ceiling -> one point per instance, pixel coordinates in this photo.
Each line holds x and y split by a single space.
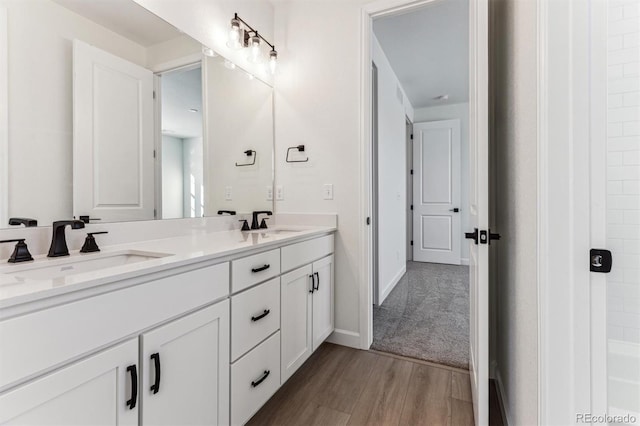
181 92
124 17
428 50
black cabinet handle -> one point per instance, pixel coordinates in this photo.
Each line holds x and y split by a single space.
317 287
155 387
133 370
313 283
261 379
262 268
262 315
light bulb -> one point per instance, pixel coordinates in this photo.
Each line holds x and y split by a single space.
273 61
207 51
254 50
234 35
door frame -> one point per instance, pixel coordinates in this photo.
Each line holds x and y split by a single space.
409 176
4 118
368 13
565 232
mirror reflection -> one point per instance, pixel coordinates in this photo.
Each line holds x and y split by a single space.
116 115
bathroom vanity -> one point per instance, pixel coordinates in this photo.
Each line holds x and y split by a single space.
186 330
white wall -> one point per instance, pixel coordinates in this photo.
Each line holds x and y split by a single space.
40 104
461 112
172 177
514 143
392 171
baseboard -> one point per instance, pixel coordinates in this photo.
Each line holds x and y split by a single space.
502 399
345 338
464 262
392 284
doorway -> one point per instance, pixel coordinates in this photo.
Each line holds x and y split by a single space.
179 92
398 278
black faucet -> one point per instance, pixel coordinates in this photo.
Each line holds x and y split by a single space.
26 221
58 238
254 222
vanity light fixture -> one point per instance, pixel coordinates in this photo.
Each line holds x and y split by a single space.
193 110
441 97
242 35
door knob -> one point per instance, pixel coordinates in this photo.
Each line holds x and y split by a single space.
455 210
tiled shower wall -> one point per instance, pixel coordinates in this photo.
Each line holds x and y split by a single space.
623 171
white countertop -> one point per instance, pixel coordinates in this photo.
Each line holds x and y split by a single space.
181 251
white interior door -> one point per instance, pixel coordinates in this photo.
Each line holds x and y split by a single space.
479 207
113 142
436 192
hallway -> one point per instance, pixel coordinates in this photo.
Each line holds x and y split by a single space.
426 316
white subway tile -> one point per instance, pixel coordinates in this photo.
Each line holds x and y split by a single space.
615 304
622 290
632 276
631 40
615 130
623 202
631 158
632 246
631 334
631 99
615 332
624 319
631 187
615 216
623 114
624 143
615 158
623 56
631 305
631 128
616 13
631 10
623 85
630 69
624 26
615 43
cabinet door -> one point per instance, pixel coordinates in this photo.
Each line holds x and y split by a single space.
322 301
295 325
185 370
93 391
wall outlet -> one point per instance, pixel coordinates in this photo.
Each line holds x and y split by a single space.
279 193
228 193
269 193
327 191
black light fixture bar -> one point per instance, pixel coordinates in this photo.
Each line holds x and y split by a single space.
236 17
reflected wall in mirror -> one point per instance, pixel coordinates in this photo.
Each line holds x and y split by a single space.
108 118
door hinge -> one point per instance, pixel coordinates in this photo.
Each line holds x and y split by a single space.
154 94
411 206
411 242
368 221
155 213
154 153
411 171
411 136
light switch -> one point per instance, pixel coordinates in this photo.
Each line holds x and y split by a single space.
328 191
269 193
279 192
227 193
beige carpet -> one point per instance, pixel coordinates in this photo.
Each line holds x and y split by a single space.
426 316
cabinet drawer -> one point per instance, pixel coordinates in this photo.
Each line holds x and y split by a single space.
255 314
305 252
41 340
251 270
254 379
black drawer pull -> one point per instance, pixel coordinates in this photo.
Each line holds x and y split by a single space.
155 387
313 283
317 286
262 315
261 379
262 268
134 386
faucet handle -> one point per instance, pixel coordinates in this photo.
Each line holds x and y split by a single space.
87 219
20 253
245 225
263 224
90 244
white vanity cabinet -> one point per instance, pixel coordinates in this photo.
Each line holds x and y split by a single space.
100 389
307 295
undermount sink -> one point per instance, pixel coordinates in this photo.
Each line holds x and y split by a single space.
80 264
